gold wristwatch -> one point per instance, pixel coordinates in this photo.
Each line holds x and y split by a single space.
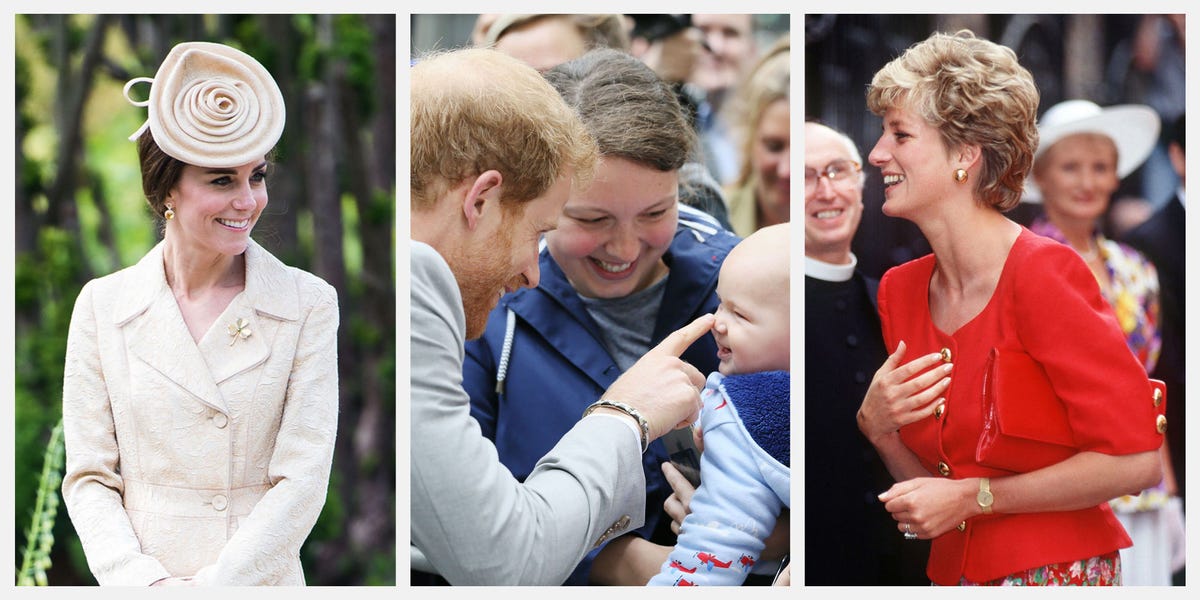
984 497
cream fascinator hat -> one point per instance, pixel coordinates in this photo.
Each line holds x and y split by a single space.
1132 127
212 106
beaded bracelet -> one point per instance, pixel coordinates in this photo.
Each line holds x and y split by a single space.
629 410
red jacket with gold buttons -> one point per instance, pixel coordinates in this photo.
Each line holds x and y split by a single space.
1046 303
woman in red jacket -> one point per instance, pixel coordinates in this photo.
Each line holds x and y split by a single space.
959 133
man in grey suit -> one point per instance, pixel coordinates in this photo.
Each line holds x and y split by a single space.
495 152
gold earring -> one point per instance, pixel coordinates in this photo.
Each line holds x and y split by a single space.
960 175
169 213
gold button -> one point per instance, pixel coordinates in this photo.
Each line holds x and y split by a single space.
939 411
962 526
1157 397
1161 423
944 469
945 352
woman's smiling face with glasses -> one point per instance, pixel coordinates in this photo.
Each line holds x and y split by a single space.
832 194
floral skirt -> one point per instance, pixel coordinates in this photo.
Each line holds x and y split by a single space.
1098 570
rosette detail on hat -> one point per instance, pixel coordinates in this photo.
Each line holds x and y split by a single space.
211 105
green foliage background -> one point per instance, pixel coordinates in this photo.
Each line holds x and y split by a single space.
80 214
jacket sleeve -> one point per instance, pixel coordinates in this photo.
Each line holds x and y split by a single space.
271 535
733 511
470 517
1079 343
92 485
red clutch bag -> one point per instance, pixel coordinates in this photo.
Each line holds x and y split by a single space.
1025 425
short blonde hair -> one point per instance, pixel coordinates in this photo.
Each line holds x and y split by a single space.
478 109
973 91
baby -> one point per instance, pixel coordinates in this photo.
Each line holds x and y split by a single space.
746 461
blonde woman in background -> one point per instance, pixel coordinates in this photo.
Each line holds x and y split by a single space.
761 196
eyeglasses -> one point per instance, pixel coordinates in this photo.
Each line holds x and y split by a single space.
838 170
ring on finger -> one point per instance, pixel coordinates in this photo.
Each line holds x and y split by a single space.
909 534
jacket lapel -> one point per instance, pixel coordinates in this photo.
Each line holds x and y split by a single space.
687 294
564 333
270 297
155 331
157 334
228 349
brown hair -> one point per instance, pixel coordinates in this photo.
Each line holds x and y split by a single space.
478 109
627 108
974 92
160 172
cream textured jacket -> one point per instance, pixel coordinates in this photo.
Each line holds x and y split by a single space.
206 459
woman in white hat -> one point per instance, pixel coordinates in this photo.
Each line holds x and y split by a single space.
997 320
200 388
1083 153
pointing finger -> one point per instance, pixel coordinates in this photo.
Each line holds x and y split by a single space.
680 339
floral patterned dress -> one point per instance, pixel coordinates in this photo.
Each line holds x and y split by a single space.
1095 571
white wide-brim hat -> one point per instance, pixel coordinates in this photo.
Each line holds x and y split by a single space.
1132 127
212 106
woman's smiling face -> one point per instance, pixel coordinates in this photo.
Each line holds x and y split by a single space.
1077 177
612 235
913 160
215 209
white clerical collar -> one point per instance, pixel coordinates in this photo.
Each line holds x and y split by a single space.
827 272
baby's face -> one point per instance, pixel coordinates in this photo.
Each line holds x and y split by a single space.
753 320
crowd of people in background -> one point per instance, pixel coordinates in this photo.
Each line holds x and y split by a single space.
643 233
687 120
1093 186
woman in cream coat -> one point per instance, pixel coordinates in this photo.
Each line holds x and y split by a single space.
200 390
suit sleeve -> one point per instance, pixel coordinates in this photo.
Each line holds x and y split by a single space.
479 381
92 484
470 517
271 535
733 512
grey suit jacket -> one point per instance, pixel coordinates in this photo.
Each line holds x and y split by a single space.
206 459
477 524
